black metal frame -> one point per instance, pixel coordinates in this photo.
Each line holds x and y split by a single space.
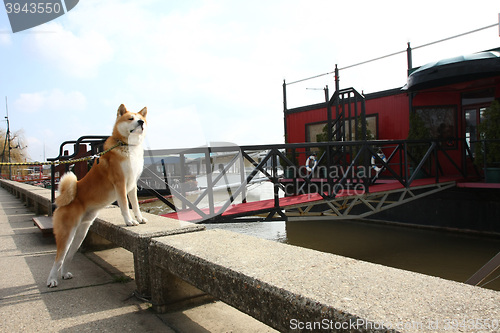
349 158
96 143
396 167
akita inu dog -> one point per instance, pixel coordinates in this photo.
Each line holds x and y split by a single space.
112 178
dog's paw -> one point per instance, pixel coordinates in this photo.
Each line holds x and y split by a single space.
142 220
131 222
51 283
67 276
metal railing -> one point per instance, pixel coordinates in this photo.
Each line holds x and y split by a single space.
96 144
354 165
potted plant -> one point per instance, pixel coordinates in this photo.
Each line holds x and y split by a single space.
418 131
488 154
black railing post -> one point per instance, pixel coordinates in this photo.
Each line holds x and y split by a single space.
329 156
243 178
285 127
400 149
366 166
485 169
436 156
274 179
165 177
182 182
52 187
210 191
405 147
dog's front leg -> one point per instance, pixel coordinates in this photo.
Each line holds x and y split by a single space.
132 196
121 194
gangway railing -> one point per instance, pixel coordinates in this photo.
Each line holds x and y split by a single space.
363 164
356 165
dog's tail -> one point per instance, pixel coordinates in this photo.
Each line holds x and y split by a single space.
67 189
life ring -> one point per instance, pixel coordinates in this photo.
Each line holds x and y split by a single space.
374 166
311 160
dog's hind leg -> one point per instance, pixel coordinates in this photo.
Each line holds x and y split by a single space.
63 239
80 233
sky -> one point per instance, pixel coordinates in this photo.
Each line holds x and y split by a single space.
212 71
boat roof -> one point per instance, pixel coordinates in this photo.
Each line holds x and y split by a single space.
455 70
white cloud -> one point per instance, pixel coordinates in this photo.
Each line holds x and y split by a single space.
5 39
54 100
174 127
78 54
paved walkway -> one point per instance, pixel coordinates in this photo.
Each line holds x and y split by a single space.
97 299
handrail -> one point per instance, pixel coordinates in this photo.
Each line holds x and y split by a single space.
350 166
93 140
90 139
352 163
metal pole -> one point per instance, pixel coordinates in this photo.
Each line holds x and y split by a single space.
52 187
337 105
484 160
409 58
274 179
183 178
367 159
8 135
405 147
208 169
330 136
165 177
337 78
284 112
243 178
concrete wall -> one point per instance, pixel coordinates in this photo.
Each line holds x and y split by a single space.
290 288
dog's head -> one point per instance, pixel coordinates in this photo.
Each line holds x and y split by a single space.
130 126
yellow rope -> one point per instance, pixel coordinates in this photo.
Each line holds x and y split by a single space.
66 161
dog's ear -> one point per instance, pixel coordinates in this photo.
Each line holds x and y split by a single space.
144 112
121 110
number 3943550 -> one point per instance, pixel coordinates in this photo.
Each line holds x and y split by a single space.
33 8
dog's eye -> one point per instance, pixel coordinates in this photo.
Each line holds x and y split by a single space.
131 118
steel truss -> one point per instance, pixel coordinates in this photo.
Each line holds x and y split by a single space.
362 205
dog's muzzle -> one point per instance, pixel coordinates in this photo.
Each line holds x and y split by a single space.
140 124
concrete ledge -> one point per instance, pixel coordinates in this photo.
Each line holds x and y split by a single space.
110 225
35 197
289 288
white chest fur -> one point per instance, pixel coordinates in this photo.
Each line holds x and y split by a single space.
133 165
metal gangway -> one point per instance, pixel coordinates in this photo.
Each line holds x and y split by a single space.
348 179
371 176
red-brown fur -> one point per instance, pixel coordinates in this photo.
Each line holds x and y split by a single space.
111 179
